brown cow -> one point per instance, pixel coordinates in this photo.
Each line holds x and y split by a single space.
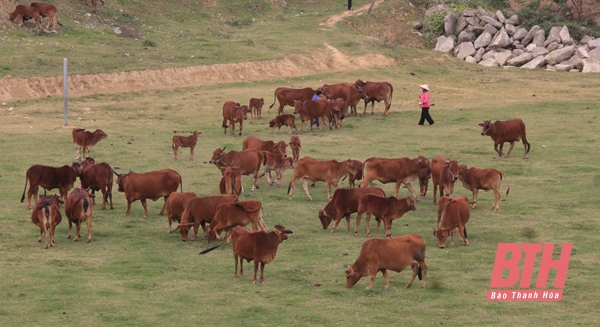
279 148
78 209
47 10
287 96
337 111
255 107
309 110
348 92
94 4
376 91
277 163
199 211
23 13
85 140
46 215
176 204
63 178
97 177
344 203
231 182
248 161
444 172
456 214
295 145
388 209
185 142
151 185
359 173
424 176
475 179
397 170
512 130
229 215
330 172
283 120
396 254
235 114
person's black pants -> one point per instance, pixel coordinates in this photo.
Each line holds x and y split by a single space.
425 116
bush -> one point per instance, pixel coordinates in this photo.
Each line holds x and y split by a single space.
148 43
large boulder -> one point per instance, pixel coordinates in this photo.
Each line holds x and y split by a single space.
475 29
591 65
500 17
501 40
520 34
595 53
492 21
483 40
445 44
513 20
510 29
559 55
539 38
536 62
565 37
471 60
539 51
554 31
502 57
585 39
450 23
490 62
520 60
530 35
465 49
461 24
551 38
474 21
593 44
465 36
479 54
553 46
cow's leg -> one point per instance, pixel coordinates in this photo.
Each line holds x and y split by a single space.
397 188
378 224
415 269
89 226
70 226
278 175
255 185
176 152
358 218
461 229
241 266
41 233
163 208
262 271
496 204
235 259
374 271
45 237
499 151
77 230
241 126
387 107
387 280
255 271
280 109
387 222
410 188
337 219
143 201
475 191
109 192
435 187
423 268
512 145
224 125
329 195
305 187
52 230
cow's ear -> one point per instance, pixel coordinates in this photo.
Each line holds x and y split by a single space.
434 232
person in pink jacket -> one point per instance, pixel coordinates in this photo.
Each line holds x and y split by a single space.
424 103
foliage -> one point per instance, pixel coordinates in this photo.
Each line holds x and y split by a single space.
149 43
547 17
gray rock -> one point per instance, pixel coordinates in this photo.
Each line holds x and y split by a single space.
465 36
481 11
585 39
475 29
471 60
518 52
435 9
502 57
488 55
473 21
501 40
418 25
444 44
450 24
520 34
530 47
539 51
576 62
565 37
513 20
491 29
536 62
520 60
490 62
483 40
591 65
492 21
594 53
559 55
500 18
539 38
479 54
510 29
582 52
550 39
553 46
517 45
593 44
530 35
550 68
468 13
554 31
562 68
461 24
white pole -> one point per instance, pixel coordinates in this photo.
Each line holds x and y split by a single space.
66 90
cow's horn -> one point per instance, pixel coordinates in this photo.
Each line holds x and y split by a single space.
116 173
175 229
224 148
447 161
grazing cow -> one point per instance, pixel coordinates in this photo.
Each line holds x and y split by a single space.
376 91
279 148
46 215
348 92
283 120
277 163
359 173
236 114
344 203
337 111
295 145
424 176
199 211
94 4
475 179
255 107
176 206
47 10
78 209
229 215
85 140
63 178
23 13
97 177
309 110
231 182
444 172
330 172
247 161
287 96
397 170
151 185
396 254
456 214
512 130
185 142
388 209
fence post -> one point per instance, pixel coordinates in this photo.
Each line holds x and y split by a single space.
66 91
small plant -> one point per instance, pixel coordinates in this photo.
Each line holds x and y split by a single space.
148 43
250 43
5 68
39 61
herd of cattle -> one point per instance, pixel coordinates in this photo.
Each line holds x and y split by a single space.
226 213
39 10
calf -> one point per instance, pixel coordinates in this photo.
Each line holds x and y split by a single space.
47 10
185 142
97 177
388 209
475 179
235 114
231 182
283 120
512 130
309 110
396 253
376 91
49 178
352 178
279 148
199 211
424 176
23 13
344 203
176 206
286 96
46 215
444 172
255 107
330 172
247 161
239 213
295 145
338 112
85 140
456 214
94 4
397 170
78 209
277 163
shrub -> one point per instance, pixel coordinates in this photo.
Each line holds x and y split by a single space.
148 43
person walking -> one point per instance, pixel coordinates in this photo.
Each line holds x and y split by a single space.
424 103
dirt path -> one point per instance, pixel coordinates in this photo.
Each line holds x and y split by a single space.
354 12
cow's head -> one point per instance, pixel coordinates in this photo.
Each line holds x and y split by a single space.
121 180
325 91
288 163
462 172
45 200
245 110
486 126
184 229
88 162
352 276
100 134
282 232
350 169
359 83
410 204
295 141
442 235
280 148
76 166
325 218
297 106
217 156
272 122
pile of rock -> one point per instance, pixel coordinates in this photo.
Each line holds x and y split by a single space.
490 39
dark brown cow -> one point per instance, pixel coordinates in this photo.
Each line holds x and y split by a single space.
344 203
199 211
231 182
176 206
424 176
85 140
239 213
185 142
388 209
396 254
456 214
396 170
151 185
295 145
23 13
512 130
330 172
235 114
337 111
348 92
309 110
46 215
444 172
255 107
287 96
247 161
47 10
277 163
475 179
279 148
78 209
97 177
63 178
283 120
376 91
352 178
94 4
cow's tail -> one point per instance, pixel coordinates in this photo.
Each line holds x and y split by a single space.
57 21
173 145
86 205
390 97
420 273
507 184
288 192
25 188
181 183
216 246
274 99
465 229
528 147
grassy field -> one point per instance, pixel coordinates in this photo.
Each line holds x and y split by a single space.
134 273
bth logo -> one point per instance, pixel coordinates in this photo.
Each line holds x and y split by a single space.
528 252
